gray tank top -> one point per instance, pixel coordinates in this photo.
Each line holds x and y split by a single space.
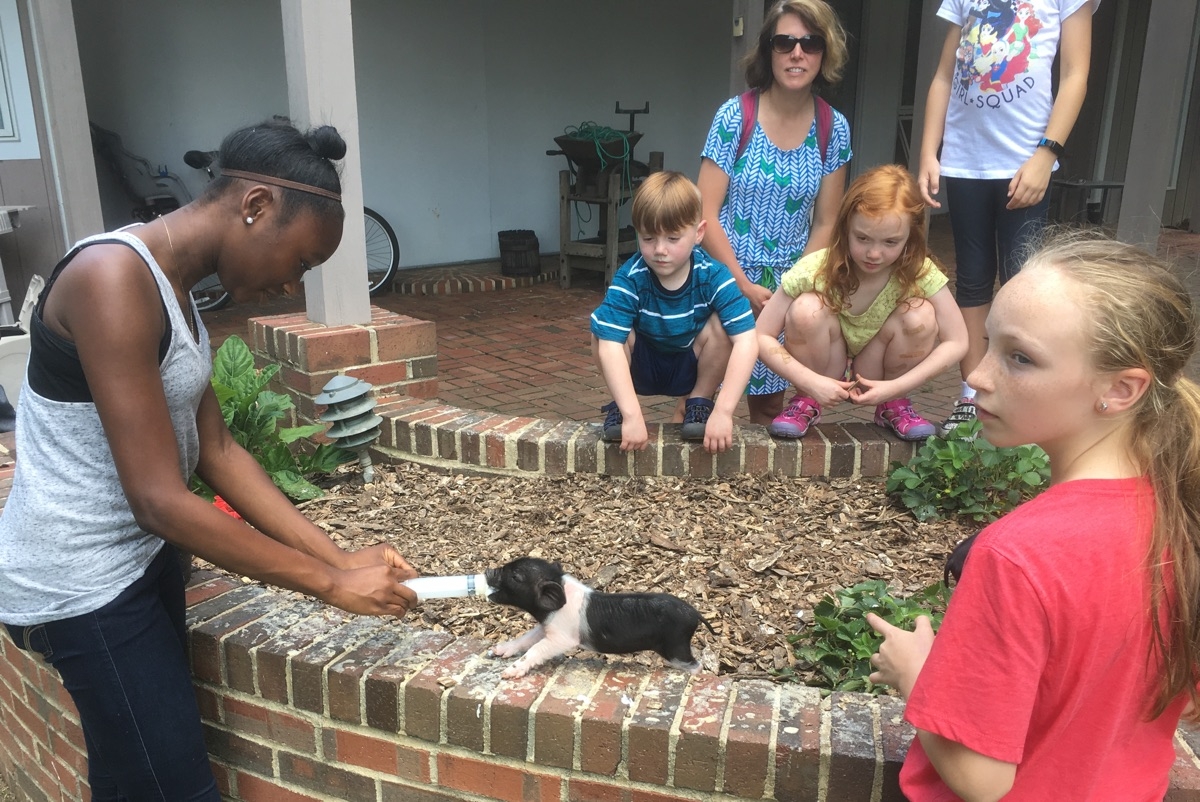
68 541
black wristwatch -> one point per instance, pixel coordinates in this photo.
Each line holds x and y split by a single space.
1055 147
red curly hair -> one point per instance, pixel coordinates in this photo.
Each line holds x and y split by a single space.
887 189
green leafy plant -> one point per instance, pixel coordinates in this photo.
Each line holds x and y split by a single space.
966 475
837 643
253 414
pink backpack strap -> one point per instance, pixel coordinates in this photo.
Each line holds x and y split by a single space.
824 124
748 101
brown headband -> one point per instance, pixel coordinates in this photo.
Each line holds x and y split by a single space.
282 182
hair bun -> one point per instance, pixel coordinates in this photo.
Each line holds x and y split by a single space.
326 142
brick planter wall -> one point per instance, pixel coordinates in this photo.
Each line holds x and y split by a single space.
304 703
398 355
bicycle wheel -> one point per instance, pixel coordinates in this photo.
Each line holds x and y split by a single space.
209 294
383 252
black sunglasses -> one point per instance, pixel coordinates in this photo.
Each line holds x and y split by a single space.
810 43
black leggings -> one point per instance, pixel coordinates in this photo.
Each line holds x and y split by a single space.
987 235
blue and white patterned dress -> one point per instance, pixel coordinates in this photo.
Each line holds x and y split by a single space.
768 211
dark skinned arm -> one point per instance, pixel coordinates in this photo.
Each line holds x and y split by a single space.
117 343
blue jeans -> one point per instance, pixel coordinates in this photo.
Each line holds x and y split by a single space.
987 235
126 668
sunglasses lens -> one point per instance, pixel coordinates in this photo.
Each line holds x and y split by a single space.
810 43
783 43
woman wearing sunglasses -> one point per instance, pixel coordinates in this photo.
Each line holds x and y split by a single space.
772 197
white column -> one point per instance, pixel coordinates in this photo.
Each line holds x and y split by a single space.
1156 121
60 81
318 47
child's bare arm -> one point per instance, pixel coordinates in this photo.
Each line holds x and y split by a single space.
718 433
614 366
949 351
929 170
776 356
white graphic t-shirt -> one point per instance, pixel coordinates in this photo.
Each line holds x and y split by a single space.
1000 96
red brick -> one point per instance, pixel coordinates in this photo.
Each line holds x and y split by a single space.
272 657
645 462
206 636
470 446
600 726
529 445
332 781
240 646
465 704
423 693
344 677
756 450
497 781
332 349
382 374
814 450
747 750
308 667
237 751
872 460
798 744
510 713
841 451
381 685
353 749
269 724
649 725
206 590
310 384
897 735
699 745
852 762
497 438
419 389
560 705
256 789
785 457
700 462
404 337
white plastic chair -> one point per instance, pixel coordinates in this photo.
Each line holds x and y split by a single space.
14 348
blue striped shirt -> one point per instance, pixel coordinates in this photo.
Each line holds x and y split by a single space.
671 320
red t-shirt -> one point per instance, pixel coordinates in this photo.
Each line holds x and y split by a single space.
1043 657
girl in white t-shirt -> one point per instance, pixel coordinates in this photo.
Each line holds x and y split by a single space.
991 111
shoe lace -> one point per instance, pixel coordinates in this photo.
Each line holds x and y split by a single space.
696 413
963 411
613 418
800 410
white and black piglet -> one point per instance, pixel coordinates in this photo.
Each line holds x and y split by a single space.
570 614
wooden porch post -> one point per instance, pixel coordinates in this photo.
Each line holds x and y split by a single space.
1156 121
318 47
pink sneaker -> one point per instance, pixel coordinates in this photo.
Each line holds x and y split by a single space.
800 413
899 416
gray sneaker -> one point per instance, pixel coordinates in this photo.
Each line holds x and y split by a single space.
695 418
611 432
964 412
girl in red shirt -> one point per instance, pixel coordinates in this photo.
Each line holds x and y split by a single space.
1069 649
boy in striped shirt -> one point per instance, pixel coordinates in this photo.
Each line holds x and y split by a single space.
673 323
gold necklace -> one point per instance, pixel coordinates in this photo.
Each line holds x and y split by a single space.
187 312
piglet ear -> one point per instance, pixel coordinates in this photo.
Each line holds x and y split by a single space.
550 596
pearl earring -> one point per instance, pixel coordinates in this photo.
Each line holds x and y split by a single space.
1104 406
249 220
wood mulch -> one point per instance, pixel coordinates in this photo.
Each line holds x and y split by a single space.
753 554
